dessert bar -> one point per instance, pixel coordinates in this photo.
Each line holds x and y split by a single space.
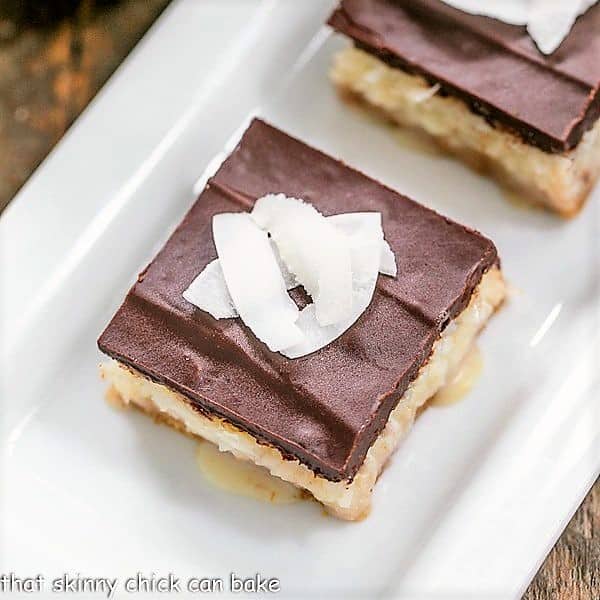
326 421
482 90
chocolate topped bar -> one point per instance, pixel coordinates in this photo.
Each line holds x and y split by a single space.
327 408
550 101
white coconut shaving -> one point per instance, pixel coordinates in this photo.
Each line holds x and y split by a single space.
548 21
254 280
353 223
513 12
288 277
388 265
313 250
250 279
209 292
365 236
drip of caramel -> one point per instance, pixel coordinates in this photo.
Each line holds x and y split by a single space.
242 478
463 381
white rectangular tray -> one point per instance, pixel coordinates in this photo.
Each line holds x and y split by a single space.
478 493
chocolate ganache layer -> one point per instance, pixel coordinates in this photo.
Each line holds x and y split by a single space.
550 101
327 408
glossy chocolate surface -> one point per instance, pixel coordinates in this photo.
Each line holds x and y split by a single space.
327 408
549 101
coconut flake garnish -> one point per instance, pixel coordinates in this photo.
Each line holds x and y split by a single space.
251 275
209 292
353 223
313 250
254 280
288 277
365 236
548 21
388 261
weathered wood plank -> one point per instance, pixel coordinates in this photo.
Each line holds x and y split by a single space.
49 73
572 569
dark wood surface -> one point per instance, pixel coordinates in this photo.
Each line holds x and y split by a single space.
49 72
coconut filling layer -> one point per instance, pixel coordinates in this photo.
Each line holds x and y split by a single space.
560 182
343 499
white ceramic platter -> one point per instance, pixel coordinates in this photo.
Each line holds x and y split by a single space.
478 493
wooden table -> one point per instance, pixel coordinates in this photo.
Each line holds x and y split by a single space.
49 73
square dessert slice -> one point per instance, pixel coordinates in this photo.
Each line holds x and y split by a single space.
482 90
328 421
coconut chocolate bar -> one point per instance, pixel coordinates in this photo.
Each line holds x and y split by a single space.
328 421
482 90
